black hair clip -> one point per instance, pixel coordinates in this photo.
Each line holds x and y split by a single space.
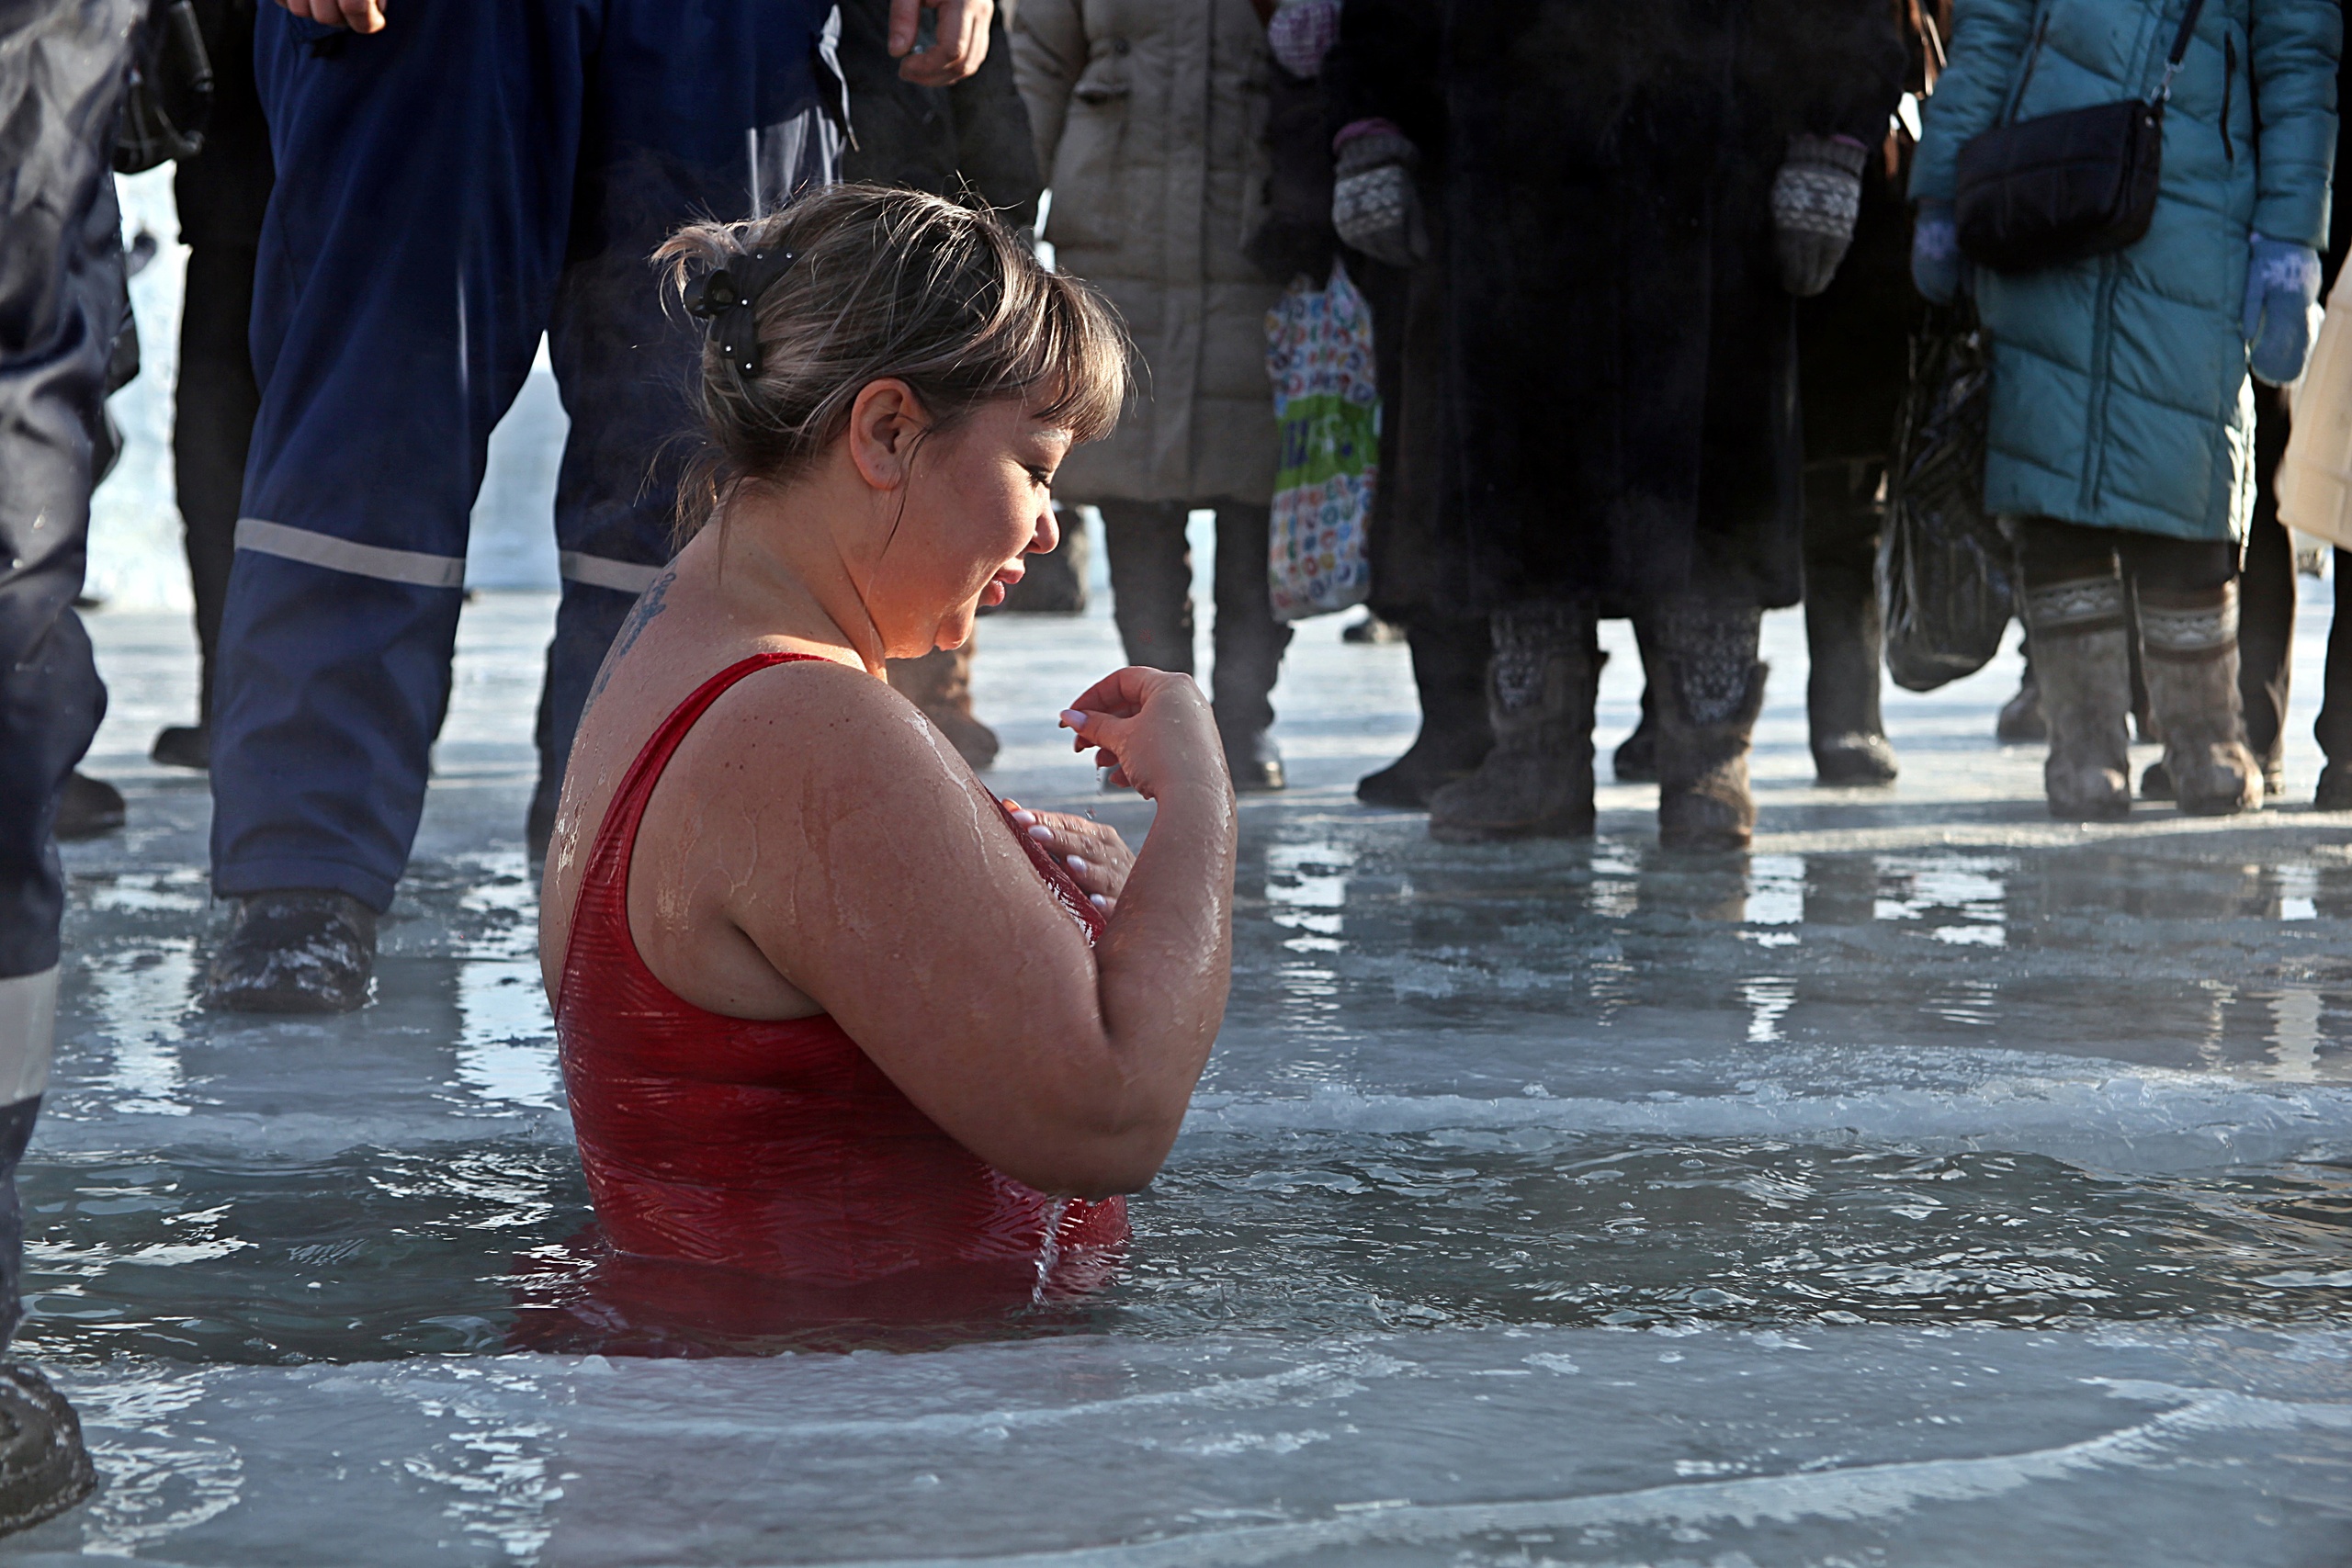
726 296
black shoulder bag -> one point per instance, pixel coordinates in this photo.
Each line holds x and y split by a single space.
2059 187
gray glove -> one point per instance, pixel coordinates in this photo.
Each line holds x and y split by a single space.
1375 205
1814 200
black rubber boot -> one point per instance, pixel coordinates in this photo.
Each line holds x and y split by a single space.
2020 722
1844 634
294 950
87 808
44 1469
1449 674
184 746
1636 758
2334 793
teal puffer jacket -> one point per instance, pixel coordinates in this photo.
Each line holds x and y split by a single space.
2120 396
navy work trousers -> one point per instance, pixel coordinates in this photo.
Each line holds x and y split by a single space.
448 189
61 306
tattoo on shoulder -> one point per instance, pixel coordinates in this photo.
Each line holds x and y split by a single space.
649 605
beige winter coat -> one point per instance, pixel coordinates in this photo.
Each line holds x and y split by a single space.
1151 121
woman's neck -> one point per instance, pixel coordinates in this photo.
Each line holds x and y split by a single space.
779 569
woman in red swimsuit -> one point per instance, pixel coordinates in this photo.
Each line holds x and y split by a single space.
832 1016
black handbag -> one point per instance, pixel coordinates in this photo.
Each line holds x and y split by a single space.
1946 585
2059 187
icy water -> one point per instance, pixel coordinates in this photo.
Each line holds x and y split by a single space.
1935 1185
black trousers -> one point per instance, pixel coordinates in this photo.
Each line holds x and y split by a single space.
1844 632
1151 593
62 307
2052 551
222 193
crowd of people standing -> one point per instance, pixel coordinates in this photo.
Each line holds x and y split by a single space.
1642 279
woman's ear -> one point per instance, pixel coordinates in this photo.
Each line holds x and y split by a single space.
885 423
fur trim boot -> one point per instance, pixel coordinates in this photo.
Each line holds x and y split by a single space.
2189 647
1709 687
1537 782
2083 668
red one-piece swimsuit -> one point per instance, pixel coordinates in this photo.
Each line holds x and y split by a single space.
777 1147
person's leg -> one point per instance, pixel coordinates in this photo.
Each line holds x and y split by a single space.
2188 637
1450 657
1636 758
693 108
221 194
1248 643
413 243
212 423
1151 581
2334 730
2020 722
2074 611
1843 629
2266 640
61 303
1542 682
1710 687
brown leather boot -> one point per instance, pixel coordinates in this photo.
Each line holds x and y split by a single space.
1537 782
2081 665
1709 687
940 684
2189 647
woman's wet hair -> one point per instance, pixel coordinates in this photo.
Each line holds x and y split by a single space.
885 284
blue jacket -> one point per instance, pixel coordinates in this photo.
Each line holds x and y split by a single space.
2120 396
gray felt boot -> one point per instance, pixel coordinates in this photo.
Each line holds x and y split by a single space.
2081 665
2189 647
1709 688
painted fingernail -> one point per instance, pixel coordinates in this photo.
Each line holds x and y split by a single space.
1041 833
1073 719
1098 901
1026 818
1078 865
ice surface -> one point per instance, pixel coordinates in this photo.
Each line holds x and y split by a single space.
1937 1185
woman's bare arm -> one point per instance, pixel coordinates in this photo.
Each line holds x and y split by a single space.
816 814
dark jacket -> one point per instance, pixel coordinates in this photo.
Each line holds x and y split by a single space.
942 140
1619 363
2120 393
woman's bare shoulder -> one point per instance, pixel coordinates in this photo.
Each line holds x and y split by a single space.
824 726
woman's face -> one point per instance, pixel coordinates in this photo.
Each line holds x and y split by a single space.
978 497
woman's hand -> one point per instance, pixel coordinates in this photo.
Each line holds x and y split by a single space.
1152 729
1098 859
